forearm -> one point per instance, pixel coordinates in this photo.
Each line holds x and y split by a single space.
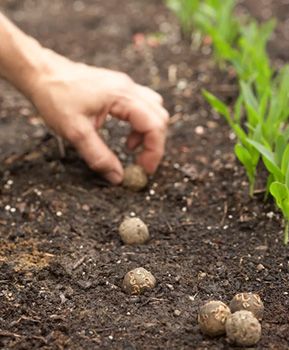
21 57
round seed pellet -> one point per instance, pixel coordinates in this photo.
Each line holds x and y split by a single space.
138 280
133 231
212 318
243 328
135 178
248 301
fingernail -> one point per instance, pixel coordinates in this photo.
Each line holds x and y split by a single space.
113 177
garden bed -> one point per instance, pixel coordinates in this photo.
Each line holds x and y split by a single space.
61 259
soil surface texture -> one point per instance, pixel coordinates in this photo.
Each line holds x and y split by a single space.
61 259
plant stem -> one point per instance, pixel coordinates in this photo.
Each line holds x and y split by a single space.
286 230
251 188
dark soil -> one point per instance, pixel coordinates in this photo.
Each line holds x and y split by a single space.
61 260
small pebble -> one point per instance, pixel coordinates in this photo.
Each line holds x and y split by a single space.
177 313
260 267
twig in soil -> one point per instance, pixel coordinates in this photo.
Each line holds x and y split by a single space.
24 318
169 226
61 146
37 337
10 334
28 191
78 263
188 223
18 157
15 335
57 317
76 188
151 300
100 330
172 73
225 212
175 118
259 191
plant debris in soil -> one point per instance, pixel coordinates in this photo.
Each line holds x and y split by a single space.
62 262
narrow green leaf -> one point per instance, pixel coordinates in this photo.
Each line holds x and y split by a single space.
269 161
246 159
285 160
218 105
281 194
248 95
280 147
287 176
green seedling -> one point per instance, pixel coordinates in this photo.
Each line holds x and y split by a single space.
281 194
252 62
212 17
277 163
261 113
185 11
276 122
215 18
247 154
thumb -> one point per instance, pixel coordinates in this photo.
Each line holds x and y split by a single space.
96 153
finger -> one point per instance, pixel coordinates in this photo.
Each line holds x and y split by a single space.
96 153
159 110
150 94
134 140
139 114
153 151
147 122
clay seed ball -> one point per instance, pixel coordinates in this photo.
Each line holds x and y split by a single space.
134 178
133 231
212 318
138 280
243 329
250 302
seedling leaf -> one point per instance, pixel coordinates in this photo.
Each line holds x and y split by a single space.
269 161
281 194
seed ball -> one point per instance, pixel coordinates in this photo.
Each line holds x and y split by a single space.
250 302
243 329
212 318
134 178
133 231
138 280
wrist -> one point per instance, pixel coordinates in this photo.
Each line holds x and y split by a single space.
22 59
29 69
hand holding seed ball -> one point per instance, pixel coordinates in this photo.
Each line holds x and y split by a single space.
243 328
134 178
138 280
250 302
133 231
212 318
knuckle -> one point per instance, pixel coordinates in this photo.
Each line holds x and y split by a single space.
77 134
124 80
161 125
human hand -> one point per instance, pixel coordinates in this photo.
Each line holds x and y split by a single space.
74 100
